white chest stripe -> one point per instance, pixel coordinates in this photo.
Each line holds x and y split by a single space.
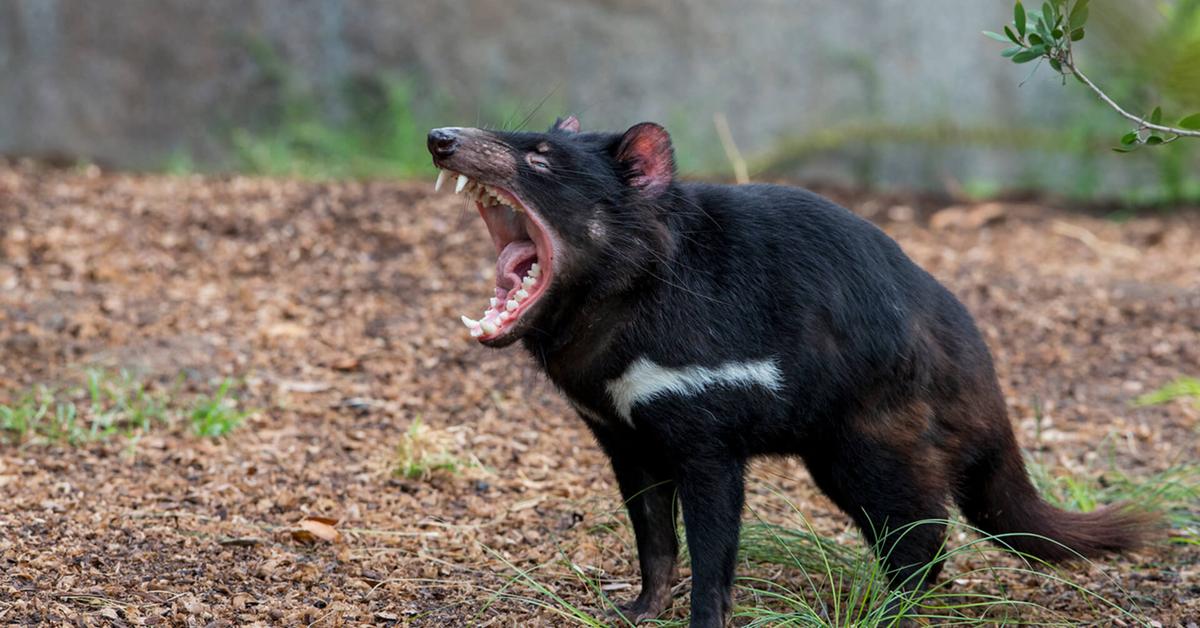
644 380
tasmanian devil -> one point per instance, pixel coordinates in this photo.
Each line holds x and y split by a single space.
693 326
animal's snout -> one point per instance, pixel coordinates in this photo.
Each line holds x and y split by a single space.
442 142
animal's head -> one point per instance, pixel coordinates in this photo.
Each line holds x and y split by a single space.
571 213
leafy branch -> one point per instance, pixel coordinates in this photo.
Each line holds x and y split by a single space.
1049 34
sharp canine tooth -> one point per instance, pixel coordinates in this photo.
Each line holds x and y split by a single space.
469 323
510 305
488 327
462 183
521 295
440 180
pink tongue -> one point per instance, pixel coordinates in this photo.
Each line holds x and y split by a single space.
506 265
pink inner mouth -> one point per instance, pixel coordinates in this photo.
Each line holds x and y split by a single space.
523 265
516 259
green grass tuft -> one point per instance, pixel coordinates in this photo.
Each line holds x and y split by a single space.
422 452
217 414
792 575
110 404
1182 388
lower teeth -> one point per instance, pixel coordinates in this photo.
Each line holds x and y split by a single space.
494 317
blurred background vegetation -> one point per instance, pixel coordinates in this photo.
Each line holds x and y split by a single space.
860 93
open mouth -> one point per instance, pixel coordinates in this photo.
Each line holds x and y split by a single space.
525 258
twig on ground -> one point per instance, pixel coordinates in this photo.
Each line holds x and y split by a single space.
1089 239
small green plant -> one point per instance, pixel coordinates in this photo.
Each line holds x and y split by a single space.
1182 388
37 412
121 401
423 452
107 404
217 414
110 404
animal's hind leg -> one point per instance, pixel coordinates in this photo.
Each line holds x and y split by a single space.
892 482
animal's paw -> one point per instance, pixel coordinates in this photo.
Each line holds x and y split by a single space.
646 606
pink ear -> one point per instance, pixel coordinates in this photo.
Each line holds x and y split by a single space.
646 150
570 124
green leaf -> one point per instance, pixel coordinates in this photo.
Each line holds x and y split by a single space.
1077 34
1078 18
1012 37
1054 63
1008 52
1043 29
1156 115
1057 33
1126 149
1154 140
996 36
1049 15
1079 15
1025 56
1129 138
1035 39
1019 17
1191 122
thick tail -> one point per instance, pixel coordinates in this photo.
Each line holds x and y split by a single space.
998 497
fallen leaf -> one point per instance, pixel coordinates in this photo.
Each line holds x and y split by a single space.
345 364
312 529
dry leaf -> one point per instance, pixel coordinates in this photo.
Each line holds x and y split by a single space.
312 529
345 364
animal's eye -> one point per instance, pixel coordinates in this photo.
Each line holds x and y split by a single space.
538 162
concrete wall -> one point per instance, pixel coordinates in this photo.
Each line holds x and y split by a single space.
128 82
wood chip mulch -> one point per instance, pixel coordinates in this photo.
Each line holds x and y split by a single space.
337 305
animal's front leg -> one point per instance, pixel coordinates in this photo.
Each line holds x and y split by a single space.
711 489
649 495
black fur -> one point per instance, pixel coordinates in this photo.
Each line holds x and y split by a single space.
888 391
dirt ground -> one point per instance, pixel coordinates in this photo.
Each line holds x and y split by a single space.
337 304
